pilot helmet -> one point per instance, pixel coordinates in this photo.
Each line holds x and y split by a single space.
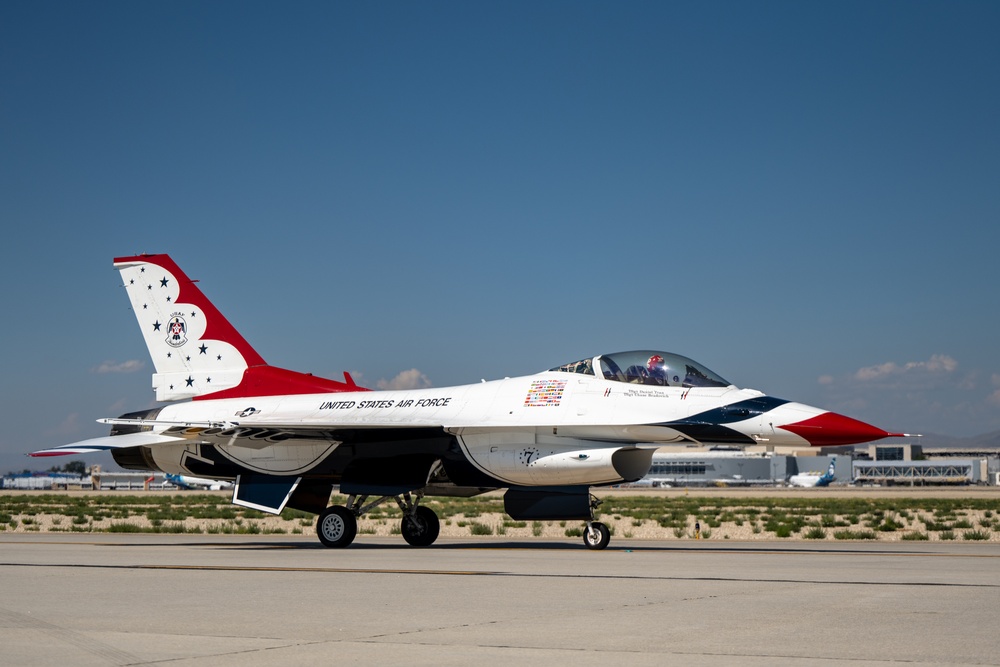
655 363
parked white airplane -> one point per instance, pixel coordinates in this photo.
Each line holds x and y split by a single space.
288 438
189 482
811 479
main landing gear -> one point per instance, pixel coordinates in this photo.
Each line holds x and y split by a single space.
337 526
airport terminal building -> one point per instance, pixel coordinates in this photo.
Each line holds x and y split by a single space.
882 465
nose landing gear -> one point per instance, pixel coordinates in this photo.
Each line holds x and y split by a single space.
596 535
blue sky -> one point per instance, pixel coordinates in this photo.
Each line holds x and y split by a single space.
801 196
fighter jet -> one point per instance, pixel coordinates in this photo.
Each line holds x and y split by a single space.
288 439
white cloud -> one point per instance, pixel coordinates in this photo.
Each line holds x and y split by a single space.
130 366
938 363
825 379
873 372
411 379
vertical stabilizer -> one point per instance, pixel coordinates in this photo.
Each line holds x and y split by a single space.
194 348
196 351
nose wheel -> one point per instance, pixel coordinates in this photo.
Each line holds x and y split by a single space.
596 535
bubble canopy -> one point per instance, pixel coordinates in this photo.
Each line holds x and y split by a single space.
649 367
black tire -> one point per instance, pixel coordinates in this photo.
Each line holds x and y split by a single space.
421 528
596 536
336 527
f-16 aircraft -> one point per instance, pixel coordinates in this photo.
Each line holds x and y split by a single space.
287 439
811 479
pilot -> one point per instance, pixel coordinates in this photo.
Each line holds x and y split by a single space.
657 370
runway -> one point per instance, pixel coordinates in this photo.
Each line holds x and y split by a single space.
90 599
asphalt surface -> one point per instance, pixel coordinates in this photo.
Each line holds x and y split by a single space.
185 600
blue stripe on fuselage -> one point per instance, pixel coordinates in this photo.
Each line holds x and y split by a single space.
709 426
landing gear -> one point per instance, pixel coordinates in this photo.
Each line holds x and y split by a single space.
596 535
421 527
337 526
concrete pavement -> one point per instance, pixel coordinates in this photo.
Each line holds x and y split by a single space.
89 599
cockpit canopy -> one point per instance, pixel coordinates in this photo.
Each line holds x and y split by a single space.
650 367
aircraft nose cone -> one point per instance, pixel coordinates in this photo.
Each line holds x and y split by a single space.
831 429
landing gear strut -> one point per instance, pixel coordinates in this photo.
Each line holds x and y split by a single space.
337 526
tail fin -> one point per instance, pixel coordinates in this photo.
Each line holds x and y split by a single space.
195 350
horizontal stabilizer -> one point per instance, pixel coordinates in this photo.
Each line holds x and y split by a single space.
107 443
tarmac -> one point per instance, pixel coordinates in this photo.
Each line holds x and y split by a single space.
199 600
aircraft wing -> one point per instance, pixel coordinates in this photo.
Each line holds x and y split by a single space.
261 434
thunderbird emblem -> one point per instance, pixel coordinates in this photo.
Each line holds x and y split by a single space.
176 331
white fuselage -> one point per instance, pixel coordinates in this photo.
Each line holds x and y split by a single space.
544 429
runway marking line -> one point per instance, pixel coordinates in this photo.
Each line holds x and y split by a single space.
491 573
730 550
727 547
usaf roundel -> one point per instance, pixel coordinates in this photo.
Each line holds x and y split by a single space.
176 331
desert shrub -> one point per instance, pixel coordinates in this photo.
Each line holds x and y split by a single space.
889 525
855 535
477 528
915 536
116 527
